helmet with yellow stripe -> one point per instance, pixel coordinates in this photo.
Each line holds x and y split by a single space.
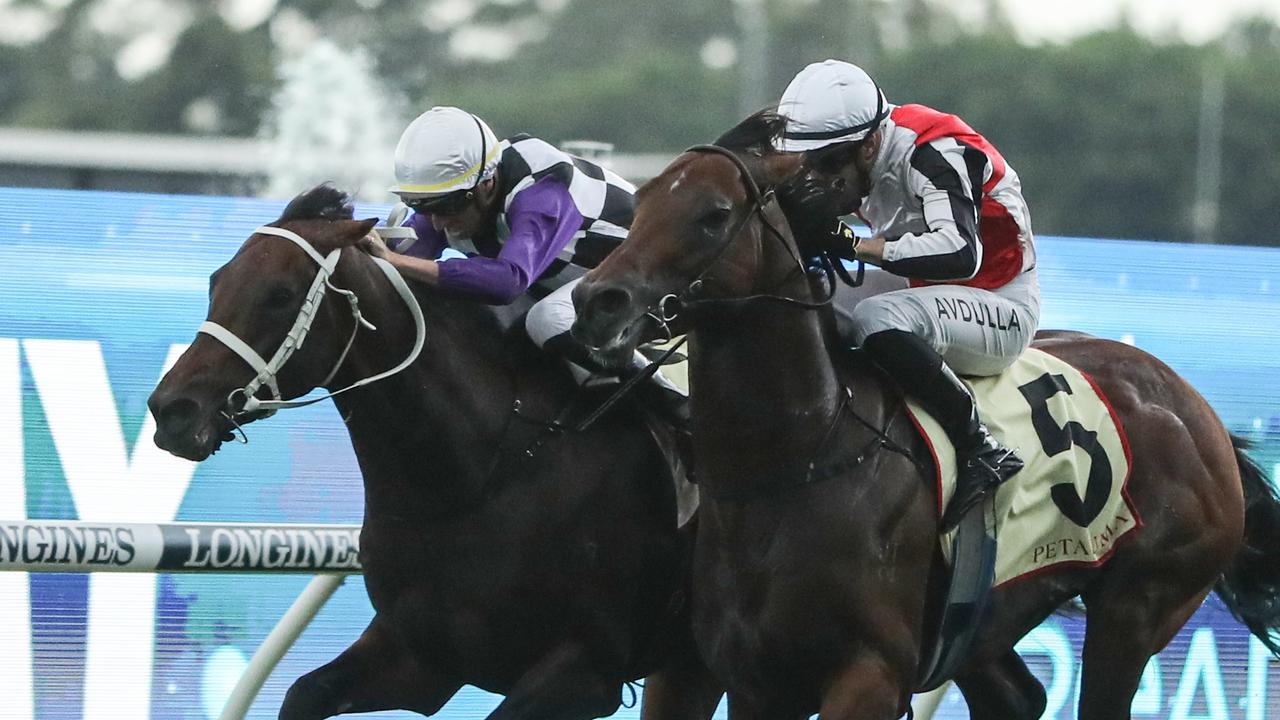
444 153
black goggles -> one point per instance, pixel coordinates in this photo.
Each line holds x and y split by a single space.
451 204
832 158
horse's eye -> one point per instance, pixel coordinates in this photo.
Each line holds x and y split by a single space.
280 296
715 219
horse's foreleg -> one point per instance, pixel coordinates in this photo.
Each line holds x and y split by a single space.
682 690
567 684
1003 689
865 689
375 673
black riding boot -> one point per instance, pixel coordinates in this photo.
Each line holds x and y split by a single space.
983 463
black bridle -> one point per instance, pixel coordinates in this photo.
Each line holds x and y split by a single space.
670 306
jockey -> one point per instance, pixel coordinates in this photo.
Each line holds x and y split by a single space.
945 211
527 217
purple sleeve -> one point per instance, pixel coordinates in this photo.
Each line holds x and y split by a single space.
431 242
543 219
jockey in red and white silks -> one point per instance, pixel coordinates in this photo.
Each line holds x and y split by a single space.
973 271
946 211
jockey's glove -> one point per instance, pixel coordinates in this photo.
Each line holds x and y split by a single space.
845 241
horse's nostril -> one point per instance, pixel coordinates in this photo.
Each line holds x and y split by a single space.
612 301
177 414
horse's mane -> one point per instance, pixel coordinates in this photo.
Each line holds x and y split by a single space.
326 202
758 132
322 202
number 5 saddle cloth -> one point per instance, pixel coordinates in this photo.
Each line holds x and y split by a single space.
1069 504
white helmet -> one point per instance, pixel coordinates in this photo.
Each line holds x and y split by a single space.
444 150
830 102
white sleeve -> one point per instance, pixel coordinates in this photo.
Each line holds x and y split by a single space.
947 176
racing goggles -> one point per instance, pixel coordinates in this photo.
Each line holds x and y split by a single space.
450 204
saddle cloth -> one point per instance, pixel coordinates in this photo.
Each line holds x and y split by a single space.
1069 504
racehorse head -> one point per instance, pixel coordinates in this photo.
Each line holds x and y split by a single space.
708 227
265 305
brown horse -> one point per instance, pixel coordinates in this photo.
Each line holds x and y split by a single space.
817 541
545 566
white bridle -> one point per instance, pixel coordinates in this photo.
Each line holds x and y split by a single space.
268 369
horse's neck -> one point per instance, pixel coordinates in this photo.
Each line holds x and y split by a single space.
765 392
424 437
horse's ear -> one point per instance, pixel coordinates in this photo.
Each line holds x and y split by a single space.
776 168
349 232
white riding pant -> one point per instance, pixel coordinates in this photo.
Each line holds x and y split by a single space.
554 314
977 332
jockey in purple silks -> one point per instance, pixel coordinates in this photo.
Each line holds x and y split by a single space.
527 218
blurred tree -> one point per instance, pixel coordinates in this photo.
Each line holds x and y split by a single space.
804 31
193 66
645 85
1103 129
1076 122
217 81
1250 194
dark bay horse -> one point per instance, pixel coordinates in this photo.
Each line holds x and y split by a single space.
544 568
817 541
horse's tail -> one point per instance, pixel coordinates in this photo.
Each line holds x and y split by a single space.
1251 586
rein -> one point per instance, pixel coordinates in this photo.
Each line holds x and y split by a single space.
669 306
269 369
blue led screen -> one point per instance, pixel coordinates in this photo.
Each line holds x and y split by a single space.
98 291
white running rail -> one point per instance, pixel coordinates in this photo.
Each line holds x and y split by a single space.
330 552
